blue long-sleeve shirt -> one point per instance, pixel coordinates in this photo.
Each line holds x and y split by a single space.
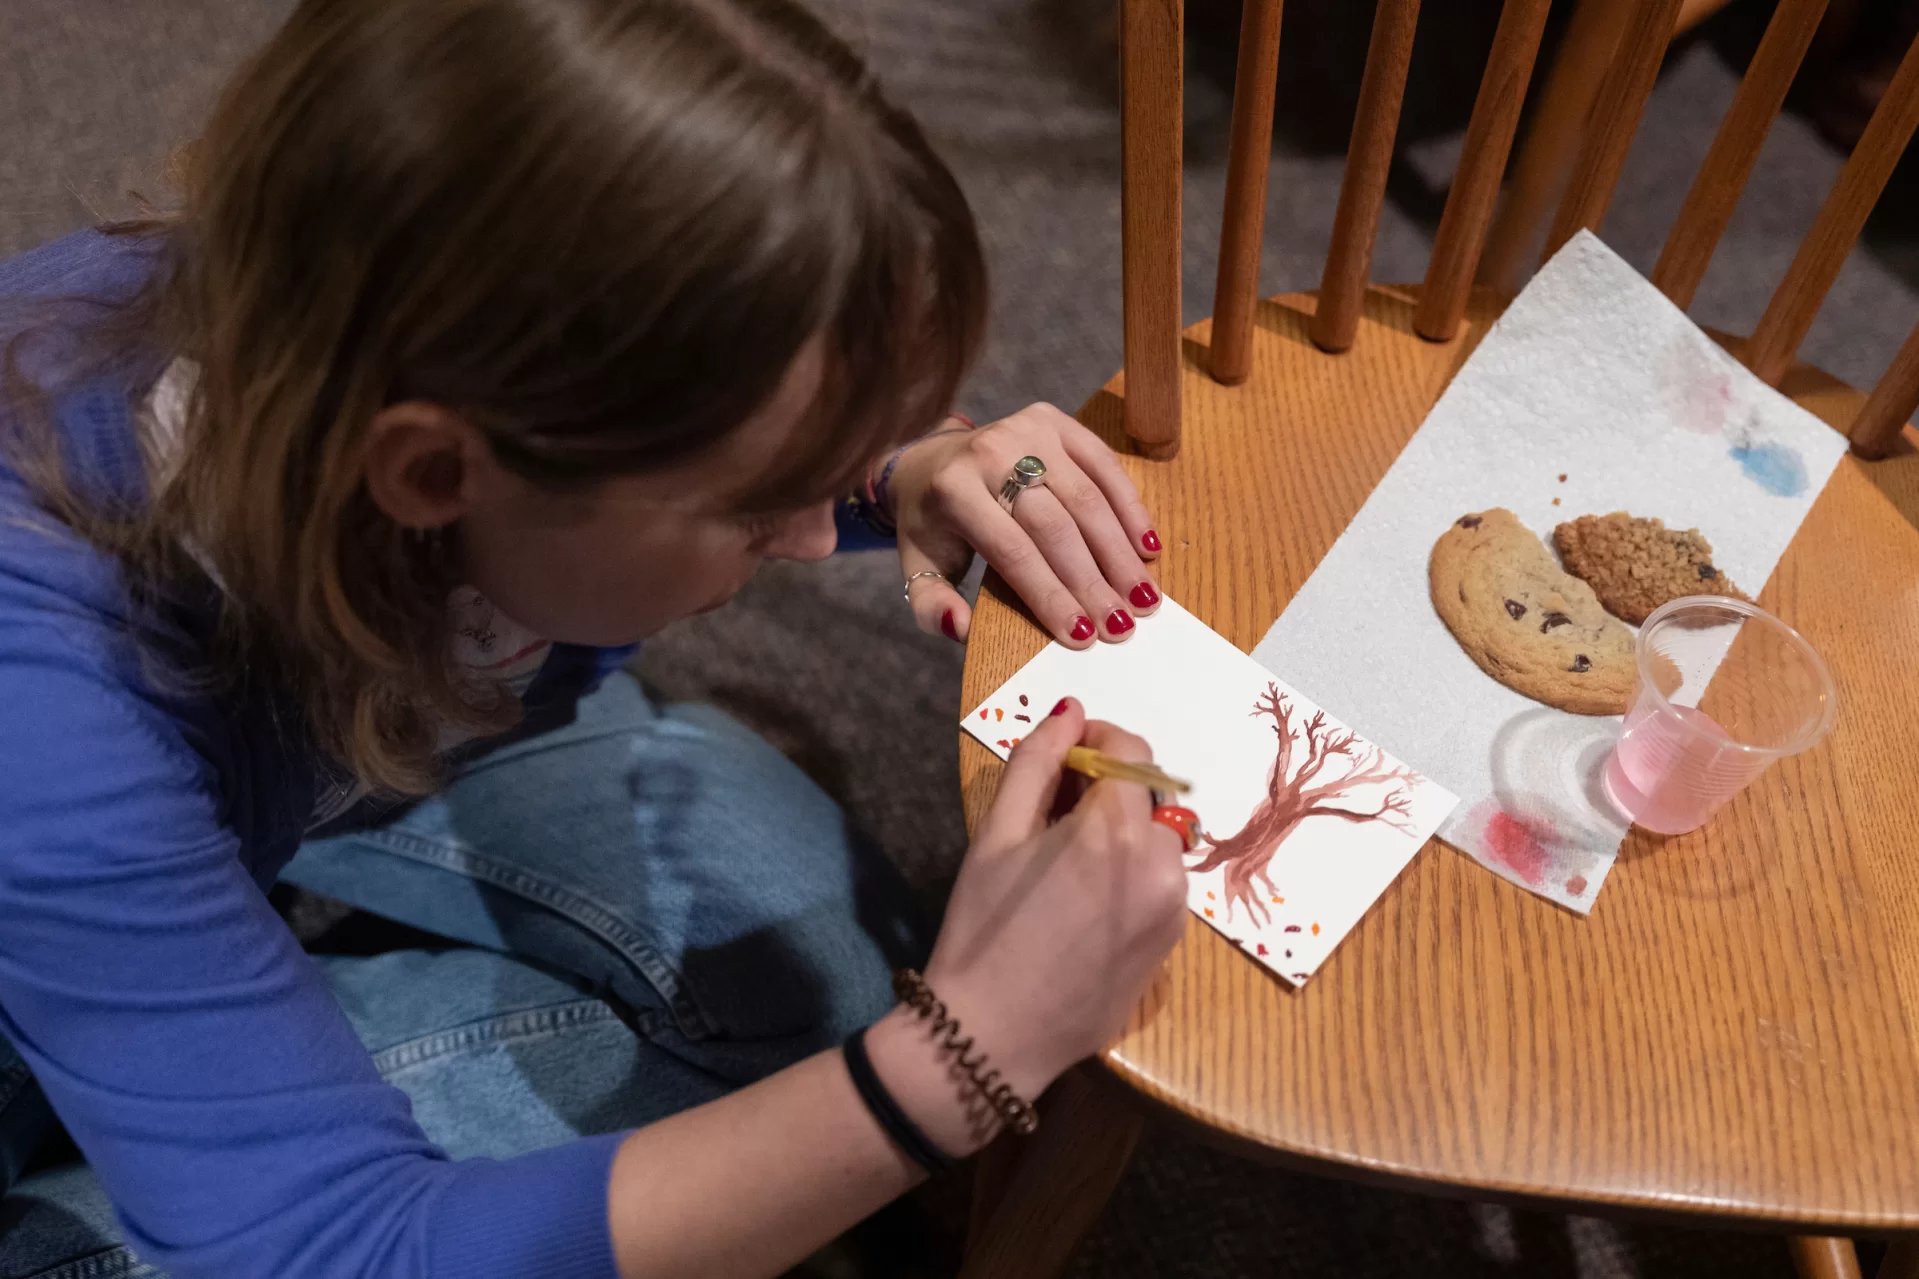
190 1047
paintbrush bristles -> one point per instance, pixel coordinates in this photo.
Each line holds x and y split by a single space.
1084 759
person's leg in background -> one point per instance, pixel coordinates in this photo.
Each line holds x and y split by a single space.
669 859
26 1119
658 907
497 1055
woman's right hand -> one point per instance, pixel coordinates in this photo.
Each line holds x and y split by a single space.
1055 927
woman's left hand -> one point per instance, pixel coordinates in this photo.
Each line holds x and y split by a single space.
1075 546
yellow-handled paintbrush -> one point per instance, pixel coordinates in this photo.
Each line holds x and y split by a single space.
1084 759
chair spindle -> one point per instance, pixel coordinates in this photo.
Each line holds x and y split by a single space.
1615 118
1236 292
1557 122
1342 288
1823 1257
1152 39
1891 404
1475 190
1901 1260
1775 342
1717 186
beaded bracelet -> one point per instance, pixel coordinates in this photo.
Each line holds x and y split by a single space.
1016 1113
875 504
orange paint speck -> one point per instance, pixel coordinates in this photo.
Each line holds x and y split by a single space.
1315 930
1210 897
1209 912
998 714
1016 742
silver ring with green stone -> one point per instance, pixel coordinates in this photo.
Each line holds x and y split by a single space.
1026 472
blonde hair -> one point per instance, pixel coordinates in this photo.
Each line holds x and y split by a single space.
599 229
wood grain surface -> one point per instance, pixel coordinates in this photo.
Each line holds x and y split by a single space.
1151 53
1891 404
1735 148
1615 119
1369 157
1482 163
1823 250
1730 1032
1249 159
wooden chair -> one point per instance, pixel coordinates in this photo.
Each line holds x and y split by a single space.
1671 1054
1551 140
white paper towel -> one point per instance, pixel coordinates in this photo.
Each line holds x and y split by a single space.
1592 374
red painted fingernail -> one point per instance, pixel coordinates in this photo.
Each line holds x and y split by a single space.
1150 541
1061 708
1082 628
1144 596
1118 622
946 624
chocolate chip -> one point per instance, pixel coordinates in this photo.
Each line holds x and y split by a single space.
1022 699
1552 619
1469 521
1581 664
1707 572
1515 609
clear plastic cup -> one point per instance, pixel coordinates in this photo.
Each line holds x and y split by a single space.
1675 761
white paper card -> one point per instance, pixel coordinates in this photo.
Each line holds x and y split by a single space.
1303 849
1592 394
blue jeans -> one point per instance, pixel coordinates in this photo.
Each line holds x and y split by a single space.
652 906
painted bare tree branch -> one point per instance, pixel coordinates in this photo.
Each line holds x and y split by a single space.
1295 793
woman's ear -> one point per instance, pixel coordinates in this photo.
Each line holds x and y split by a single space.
419 464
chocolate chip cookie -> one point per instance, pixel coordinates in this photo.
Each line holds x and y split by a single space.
1634 565
1528 624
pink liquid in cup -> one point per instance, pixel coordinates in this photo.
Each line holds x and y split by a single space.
1660 774
1674 764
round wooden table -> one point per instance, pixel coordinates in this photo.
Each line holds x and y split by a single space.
1731 1033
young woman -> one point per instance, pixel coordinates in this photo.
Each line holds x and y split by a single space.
493 336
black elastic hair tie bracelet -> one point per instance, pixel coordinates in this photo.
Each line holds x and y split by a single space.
905 1133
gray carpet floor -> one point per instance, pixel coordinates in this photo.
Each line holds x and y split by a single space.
1019 95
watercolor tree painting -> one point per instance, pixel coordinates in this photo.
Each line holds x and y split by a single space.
1305 783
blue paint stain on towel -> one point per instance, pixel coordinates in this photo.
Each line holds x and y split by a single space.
1773 467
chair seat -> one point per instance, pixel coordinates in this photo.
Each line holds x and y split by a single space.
1731 1031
